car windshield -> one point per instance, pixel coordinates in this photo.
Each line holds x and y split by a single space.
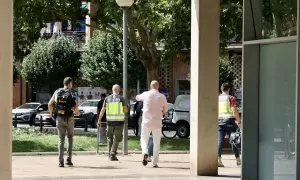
89 104
29 106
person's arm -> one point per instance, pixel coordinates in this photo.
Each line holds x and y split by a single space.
101 114
99 108
76 109
235 110
51 106
139 97
51 103
165 105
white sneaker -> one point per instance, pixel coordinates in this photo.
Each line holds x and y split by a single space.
220 164
238 161
149 159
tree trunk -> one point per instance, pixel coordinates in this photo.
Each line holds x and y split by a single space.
152 73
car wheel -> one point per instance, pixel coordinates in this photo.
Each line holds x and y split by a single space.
183 130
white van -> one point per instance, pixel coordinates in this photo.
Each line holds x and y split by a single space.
181 115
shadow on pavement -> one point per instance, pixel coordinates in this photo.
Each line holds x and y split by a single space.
94 167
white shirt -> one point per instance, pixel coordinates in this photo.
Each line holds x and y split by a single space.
154 107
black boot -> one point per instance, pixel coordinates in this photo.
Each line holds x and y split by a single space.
69 162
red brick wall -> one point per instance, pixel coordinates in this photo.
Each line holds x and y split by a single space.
180 71
16 93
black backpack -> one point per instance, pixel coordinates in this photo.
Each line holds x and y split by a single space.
64 102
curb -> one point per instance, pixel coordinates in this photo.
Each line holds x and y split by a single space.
78 153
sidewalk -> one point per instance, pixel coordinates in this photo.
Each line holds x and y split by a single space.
91 167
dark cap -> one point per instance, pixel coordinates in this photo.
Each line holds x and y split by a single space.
103 95
67 81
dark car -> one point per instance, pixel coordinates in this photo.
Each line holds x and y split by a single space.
26 113
80 120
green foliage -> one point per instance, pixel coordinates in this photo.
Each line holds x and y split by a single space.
30 17
102 63
225 71
50 61
149 23
231 21
279 18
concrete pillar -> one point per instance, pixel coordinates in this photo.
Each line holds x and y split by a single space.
204 87
6 84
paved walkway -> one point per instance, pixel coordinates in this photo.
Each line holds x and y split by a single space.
91 167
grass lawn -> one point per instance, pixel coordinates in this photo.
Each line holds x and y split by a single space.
31 141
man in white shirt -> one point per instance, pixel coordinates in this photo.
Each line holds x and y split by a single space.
155 106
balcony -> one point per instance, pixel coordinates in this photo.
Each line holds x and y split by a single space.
78 37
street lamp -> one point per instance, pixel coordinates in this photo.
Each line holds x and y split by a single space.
125 5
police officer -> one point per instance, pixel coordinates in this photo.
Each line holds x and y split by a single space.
63 105
115 108
228 120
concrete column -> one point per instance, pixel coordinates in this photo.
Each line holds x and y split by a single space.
204 87
6 83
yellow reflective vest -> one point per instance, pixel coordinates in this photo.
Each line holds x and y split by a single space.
225 110
114 111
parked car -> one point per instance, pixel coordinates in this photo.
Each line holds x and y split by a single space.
89 116
46 118
89 108
181 115
26 113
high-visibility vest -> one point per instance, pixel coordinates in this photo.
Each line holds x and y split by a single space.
114 111
225 110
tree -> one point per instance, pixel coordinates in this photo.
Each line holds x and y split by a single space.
225 71
30 17
166 22
102 62
279 18
149 23
50 61
231 22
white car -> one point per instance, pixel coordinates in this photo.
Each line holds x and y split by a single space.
181 115
90 106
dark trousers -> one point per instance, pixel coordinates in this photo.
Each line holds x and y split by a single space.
222 131
114 137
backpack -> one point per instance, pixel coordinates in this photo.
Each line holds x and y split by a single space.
64 102
235 138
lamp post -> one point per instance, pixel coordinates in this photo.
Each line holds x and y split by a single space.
125 5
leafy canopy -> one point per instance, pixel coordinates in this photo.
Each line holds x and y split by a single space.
30 17
102 62
50 61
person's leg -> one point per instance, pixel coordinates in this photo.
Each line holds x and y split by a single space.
140 126
61 129
150 146
156 143
110 136
221 136
118 136
145 133
70 130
